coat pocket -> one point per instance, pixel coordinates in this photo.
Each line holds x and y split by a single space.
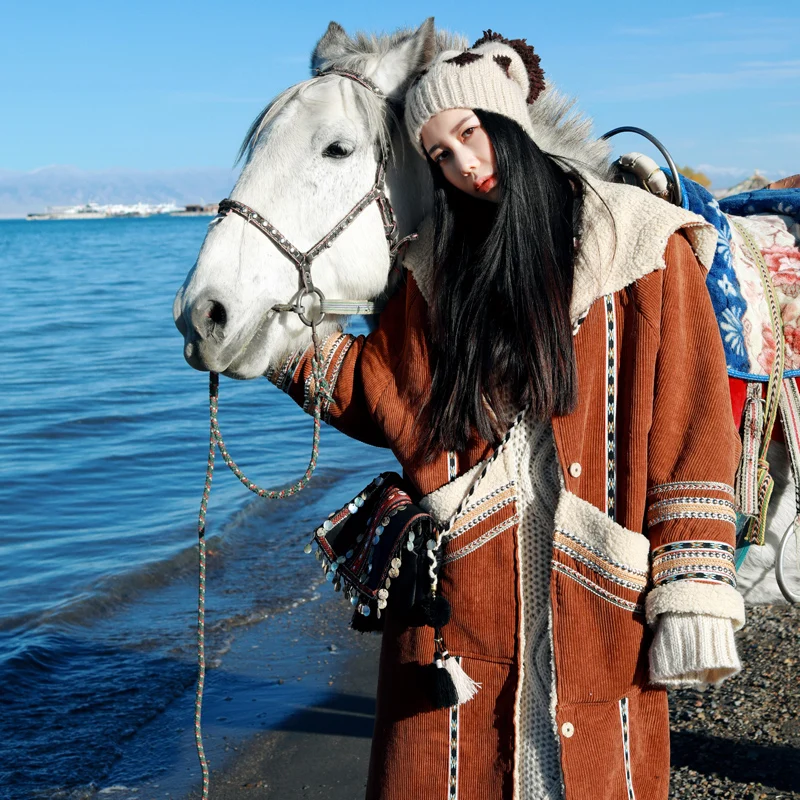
598 584
616 749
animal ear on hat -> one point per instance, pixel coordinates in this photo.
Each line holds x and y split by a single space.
529 58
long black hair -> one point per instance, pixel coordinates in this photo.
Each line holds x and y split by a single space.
501 334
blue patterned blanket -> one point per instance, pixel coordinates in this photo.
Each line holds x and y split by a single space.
744 330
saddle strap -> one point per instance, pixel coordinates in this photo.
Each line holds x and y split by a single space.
755 485
747 477
790 417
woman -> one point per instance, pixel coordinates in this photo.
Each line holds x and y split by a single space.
539 286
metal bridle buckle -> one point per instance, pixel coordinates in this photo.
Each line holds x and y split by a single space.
301 312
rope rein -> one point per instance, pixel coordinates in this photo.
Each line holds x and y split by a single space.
215 441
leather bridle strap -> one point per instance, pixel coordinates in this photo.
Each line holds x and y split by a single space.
303 260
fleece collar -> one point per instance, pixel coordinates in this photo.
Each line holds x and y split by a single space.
609 256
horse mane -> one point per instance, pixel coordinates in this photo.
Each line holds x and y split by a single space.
359 50
560 130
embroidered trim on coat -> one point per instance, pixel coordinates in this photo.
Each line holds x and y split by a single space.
479 511
708 561
452 466
690 486
611 407
334 349
481 540
692 544
600 554
636 608
452 793
626 745
610 574
281 374
333 377
691 508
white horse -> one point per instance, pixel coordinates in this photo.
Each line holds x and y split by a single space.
310 156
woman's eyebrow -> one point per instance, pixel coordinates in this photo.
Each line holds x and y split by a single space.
452 132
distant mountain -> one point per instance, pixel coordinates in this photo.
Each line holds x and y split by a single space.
24 192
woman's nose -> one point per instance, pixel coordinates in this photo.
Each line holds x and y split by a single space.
466 161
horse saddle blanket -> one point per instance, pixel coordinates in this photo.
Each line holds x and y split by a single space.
772 220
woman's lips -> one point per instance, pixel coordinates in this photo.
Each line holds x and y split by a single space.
485 185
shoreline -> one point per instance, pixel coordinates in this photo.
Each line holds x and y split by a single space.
739 740
320 750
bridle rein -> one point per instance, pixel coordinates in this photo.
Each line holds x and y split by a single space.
303 260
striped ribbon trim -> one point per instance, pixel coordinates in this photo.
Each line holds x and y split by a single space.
624 718
709 561
690 486
452 782
691 508
582 580
611 406
747 476
692 544
790 417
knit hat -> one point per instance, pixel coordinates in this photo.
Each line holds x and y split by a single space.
495 74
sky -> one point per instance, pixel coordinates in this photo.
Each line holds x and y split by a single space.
165 85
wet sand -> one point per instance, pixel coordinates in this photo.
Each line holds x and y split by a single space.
321 749
740 740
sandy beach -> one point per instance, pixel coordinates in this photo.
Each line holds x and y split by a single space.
741 740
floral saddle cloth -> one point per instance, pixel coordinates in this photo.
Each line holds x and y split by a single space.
771 219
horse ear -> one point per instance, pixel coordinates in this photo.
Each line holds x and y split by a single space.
406 60
330 47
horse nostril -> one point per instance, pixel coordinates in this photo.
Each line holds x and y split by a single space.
217 313
209 318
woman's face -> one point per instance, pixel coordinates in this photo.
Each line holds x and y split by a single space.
456 141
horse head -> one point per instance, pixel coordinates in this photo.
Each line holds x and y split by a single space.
309 158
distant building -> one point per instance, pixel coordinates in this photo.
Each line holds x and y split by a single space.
208 210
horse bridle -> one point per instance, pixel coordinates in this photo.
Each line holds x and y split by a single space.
303 260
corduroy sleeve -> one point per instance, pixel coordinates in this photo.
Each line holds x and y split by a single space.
693 452
356 368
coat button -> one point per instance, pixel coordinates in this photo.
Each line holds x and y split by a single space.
567 729
575 469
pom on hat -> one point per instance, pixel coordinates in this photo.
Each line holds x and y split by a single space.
528 56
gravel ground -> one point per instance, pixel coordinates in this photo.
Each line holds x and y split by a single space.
742 739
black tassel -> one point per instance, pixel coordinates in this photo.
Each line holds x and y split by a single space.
441 689
434 610
367 624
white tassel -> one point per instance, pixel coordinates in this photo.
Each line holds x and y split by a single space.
466 688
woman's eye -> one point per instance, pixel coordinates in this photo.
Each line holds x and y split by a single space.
336 150
441 157
468 132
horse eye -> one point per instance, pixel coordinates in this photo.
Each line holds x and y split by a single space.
336 150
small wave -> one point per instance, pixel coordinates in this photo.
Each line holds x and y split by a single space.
263 536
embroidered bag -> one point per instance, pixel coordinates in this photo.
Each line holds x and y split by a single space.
373 549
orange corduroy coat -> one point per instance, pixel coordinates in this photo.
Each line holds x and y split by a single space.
672 439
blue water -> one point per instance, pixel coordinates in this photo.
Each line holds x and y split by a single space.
105 443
